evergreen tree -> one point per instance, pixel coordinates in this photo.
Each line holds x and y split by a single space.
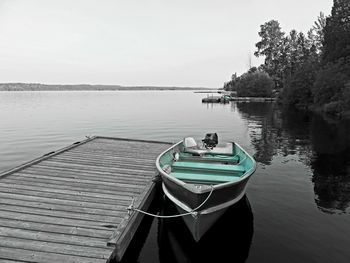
331 87
337 32
316 34
270 46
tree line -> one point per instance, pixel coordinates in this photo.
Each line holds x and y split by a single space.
308 71
83 87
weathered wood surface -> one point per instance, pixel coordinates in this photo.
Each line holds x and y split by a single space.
70 205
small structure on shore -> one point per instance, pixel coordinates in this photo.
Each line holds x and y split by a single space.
217 99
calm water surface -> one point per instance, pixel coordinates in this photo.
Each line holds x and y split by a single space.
297 203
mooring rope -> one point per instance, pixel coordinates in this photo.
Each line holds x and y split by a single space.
192 212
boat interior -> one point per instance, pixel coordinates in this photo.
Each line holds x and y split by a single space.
196 164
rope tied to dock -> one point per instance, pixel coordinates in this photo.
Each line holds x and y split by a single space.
193 212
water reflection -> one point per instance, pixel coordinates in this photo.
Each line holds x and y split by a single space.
274 131
228 240
331 164
323 145
263 128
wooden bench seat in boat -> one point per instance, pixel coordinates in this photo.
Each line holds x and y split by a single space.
204 178
227 168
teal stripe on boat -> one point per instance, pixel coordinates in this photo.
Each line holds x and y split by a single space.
209 167
210 158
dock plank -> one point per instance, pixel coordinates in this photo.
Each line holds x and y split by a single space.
50 219
65 202
54 228
58 206
93 242
18 254
82 217
95 175
82 192
70 205
83 183
128 162
53 247
49 194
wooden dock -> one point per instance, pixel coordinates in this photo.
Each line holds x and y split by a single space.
70 205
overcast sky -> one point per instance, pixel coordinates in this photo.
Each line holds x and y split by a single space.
132 42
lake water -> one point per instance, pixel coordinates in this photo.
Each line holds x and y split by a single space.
297 204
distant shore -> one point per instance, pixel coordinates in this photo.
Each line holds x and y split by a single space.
206 91
83 87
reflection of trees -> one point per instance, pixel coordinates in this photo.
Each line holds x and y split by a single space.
331 178
324 146
331 164
262 128
273 131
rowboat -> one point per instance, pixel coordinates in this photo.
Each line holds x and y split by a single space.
203 181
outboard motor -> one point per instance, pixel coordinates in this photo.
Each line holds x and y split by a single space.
210 140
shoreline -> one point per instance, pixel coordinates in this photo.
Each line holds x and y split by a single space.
72 90
87 87
257 99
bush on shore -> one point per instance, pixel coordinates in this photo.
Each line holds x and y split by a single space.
254 84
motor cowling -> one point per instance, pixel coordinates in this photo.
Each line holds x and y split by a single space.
210 140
